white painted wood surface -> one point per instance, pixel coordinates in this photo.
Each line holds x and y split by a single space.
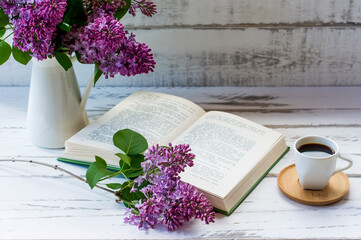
240 43
42 203
210 13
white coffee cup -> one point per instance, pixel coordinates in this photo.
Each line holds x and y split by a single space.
315 168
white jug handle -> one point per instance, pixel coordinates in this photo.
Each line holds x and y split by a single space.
73 59
344 168
86 93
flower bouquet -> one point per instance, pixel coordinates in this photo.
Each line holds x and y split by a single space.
59 32
89 30
151 188
153 191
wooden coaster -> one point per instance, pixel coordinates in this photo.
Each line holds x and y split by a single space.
289 184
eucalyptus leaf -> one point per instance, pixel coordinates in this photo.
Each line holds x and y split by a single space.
119 13
130 142
5 52
114 186
20 56
96 171
4 18
64 60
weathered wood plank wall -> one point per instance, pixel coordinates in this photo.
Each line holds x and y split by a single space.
241 43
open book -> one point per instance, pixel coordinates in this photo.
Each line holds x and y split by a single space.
232 154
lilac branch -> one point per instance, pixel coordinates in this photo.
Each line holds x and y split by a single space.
56 167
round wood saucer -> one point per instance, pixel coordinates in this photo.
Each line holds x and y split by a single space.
289 184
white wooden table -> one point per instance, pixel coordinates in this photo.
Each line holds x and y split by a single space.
42 203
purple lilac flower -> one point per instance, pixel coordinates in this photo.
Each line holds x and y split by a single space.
187 203
35 26
98 8
97 40
147 214
71 39
146 7
132 58
12 7
105 41
169 200
171 160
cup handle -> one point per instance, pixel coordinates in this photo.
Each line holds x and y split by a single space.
344 168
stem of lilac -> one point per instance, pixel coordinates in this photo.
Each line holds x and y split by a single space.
10 26
124 173
112 175
8 36
56 167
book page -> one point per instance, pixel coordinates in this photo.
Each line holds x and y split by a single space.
227 147
158 117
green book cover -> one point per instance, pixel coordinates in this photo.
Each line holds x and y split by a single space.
253 187
84 163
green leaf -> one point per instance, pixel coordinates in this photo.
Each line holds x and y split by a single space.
96 171
4 19
128 171
63 60
134 173
20 56
78 57
58 43
74 13
120 12
64 26
114 186
127 205
132 196
123 166
97 73
5 52
130 142
136 160
2 31
124 157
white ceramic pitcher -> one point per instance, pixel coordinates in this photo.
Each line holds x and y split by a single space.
56 110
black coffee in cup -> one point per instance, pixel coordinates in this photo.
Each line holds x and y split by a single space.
316 150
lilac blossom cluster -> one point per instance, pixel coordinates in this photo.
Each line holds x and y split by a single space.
97 40
98 8
101 39
169 201
105 41
146 7
34 24
12 7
